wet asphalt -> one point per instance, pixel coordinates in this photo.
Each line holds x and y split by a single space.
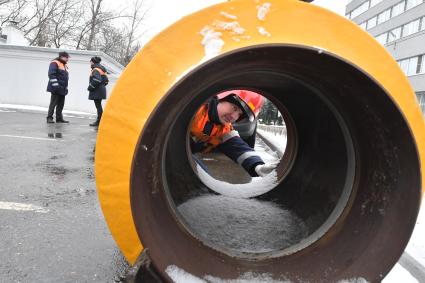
51 166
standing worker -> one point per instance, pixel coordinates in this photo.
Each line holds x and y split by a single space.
212 128
58 87
97 90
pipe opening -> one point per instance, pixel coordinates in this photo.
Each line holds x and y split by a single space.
346 162
300 210
222 167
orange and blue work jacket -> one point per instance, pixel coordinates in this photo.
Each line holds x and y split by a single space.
58 77
207 135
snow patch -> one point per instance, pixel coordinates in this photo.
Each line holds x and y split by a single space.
416 246
258 185
22 207
263 31
40 109
233 27
248 277
178 275
354 280
229 16
278 141
399 274
242 225
263 10
212 42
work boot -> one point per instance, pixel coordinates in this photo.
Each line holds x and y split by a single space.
95 123
50 120
61 121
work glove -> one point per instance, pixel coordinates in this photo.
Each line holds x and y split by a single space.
265 169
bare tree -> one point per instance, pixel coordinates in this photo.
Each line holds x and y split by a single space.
36 27
12 10
3 2
66 22
135 19
96 18
82 24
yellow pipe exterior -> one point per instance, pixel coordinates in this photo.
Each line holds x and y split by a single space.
178 49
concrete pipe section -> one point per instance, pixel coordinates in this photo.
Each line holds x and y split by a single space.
351 176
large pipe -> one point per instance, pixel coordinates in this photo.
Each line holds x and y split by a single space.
354 175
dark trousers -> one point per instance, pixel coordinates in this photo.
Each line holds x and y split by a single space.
98 104
56 101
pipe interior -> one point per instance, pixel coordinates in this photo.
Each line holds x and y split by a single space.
349 139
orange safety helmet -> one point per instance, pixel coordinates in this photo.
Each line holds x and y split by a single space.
250 102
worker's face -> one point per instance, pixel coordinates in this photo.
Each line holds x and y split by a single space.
228 112
65 59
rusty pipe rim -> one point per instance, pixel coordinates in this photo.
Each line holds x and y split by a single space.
155 204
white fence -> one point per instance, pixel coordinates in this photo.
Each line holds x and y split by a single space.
273 129
23 76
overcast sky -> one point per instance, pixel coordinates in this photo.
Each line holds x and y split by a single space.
165 12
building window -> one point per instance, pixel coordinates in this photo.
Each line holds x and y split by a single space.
394 34
404 65
374 2
371 23
411 28
363 25
423 23
411 66
359 10
421 100
412 3
348 16
384 16
398 9
382 38
421 64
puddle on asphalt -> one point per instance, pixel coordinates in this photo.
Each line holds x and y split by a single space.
242 225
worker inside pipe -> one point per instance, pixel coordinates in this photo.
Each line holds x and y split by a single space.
212 129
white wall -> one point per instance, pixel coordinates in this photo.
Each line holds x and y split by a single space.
23 76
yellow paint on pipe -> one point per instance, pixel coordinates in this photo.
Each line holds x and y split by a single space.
178 49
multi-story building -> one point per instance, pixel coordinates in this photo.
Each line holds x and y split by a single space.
400 26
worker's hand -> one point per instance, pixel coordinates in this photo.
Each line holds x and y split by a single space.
265 169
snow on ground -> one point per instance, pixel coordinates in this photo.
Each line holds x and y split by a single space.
178 275
416 246
43 109
398 274
242 225
257 186
279 141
